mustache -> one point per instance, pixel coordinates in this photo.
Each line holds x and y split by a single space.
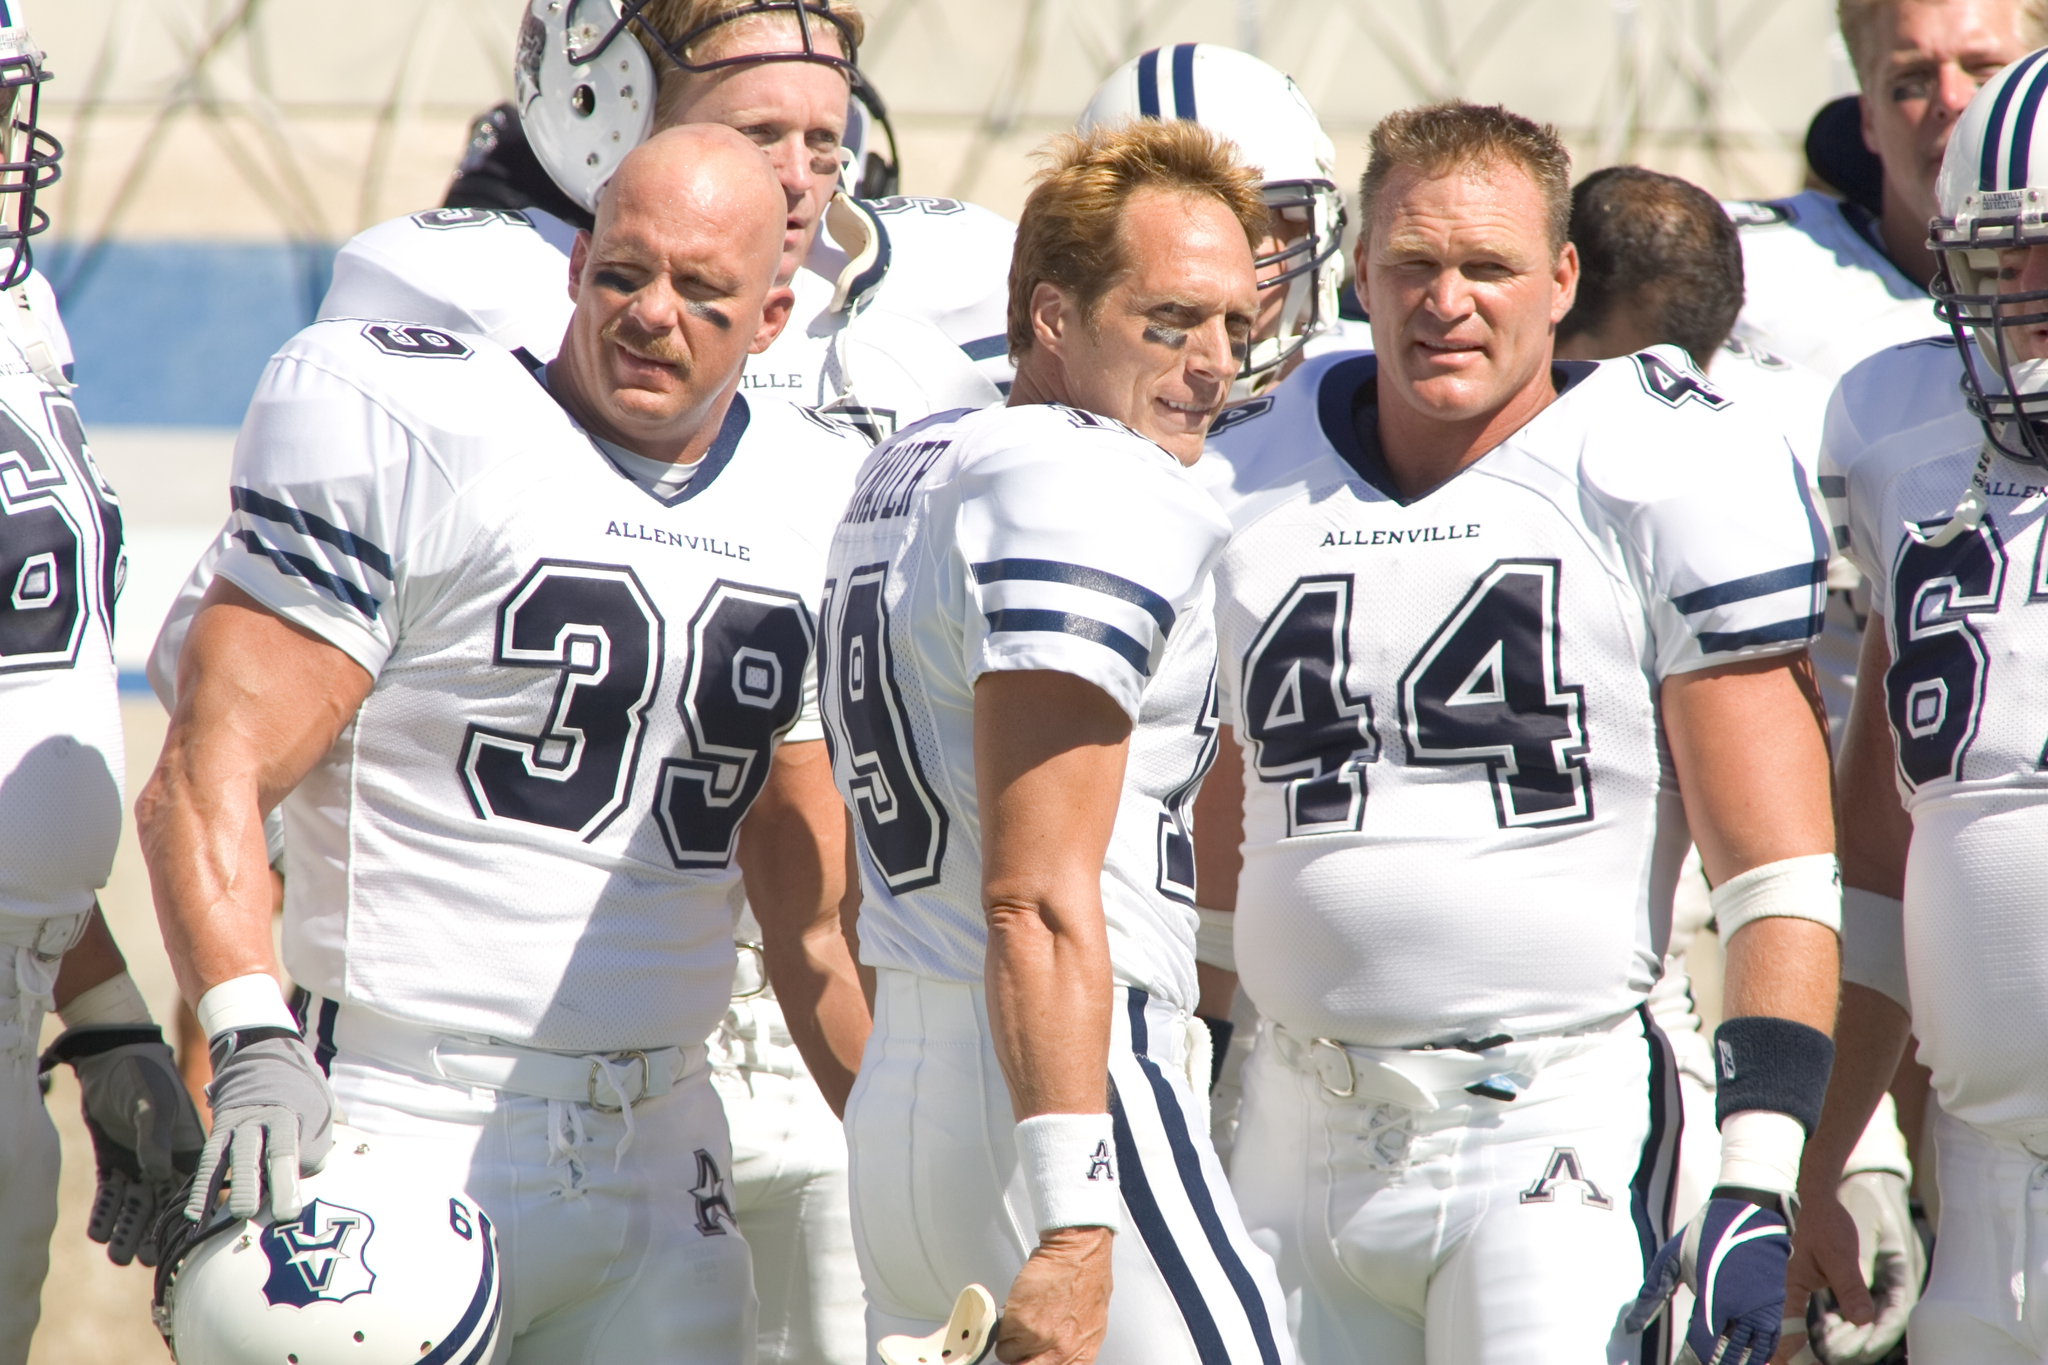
660 346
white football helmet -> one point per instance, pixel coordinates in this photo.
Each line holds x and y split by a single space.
585 92
380 1265
28 155
1993 196
1237 96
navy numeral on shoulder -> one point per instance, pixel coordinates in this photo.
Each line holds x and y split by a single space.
1673 386
1935 687
1308 730
1485 689
596 626
1176 841
902 824
743 687
418 342
42 560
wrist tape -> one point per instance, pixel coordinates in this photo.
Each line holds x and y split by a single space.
1215 941
113 1001
1761 1062
1791 888
1069 1164
251 1001
1760 1151
1874 944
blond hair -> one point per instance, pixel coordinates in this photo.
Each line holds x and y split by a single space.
674 19
1070 234
1436 138
1859 24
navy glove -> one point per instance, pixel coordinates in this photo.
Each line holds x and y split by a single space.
1733 1257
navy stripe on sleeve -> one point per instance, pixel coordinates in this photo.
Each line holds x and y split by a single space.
1148 84
306 524
987 348
1756 585
1833 486
1778 633
1080 576
298 566
1083 627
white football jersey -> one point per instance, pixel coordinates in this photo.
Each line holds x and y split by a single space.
1967 696
1818 288
62 764
527 831
1458 821
1034 537
901 305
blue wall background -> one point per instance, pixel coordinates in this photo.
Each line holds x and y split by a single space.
177 333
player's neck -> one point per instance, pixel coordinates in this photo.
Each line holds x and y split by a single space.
1903 229
681 442
1422 450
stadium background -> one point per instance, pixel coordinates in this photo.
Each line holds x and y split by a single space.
218 151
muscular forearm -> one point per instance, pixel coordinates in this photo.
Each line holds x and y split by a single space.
1786 968
1049 996
209 871
1870 1037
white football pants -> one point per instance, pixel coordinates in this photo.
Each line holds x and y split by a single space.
939 1201
29 1149
789 1191
1476 1230
1992 1238
613 1250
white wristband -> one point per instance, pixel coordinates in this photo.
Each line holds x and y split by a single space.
1874 944
1792 888
1069 1166
113 1001
1215 939
1760 1151
250 1001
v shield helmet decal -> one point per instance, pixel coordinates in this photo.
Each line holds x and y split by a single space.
318 1255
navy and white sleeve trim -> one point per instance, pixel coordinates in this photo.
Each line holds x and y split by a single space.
1023 595
288 524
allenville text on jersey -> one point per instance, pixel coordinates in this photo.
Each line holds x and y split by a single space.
1413 535
633 530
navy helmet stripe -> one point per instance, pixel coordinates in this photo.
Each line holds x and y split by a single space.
1994 127
480 1305
2018 161
1148 84
1184 81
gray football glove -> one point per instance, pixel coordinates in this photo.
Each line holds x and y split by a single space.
145 1131
273 1121
1894 1266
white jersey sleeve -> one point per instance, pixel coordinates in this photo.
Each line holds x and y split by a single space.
1076 584
487 272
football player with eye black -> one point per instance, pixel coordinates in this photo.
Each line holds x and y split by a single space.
1493 630
1017 676
1933 463
62 768
514 646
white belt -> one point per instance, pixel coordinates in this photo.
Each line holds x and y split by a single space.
607 1082
48 936
1416 1078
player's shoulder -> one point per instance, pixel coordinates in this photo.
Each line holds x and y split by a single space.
427 379
810 455
1808 218
927 220
457 234
928 252
1090 465
1903 404
1271 448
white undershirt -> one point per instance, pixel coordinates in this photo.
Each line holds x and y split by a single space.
659 477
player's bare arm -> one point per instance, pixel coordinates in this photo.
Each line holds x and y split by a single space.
1049 763
792 854
1219 833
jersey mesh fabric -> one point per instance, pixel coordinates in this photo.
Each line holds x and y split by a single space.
1460 818
527 831
1036 537
1967 625
62 563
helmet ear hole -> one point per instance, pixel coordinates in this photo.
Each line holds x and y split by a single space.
583 100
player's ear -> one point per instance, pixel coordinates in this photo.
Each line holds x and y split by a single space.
1359 253
579 254
775 311
1052 315
1564 278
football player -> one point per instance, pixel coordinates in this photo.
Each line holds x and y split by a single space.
1017 676
1941 787
514 644
1659 262
1829 282
1465 775
62 768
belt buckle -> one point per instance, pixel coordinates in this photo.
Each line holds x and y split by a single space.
761 956
621 1057
1350 1071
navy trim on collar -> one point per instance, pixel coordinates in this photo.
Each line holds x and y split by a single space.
1349 390
723 447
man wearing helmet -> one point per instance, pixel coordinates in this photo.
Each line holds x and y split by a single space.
1487 621
1943 805
515 646
62 768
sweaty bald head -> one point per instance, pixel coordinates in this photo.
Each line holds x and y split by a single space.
674 288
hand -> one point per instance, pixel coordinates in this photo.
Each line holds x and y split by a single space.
1058 1307
1732 1256
271 1106
1871 1207
145 1133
